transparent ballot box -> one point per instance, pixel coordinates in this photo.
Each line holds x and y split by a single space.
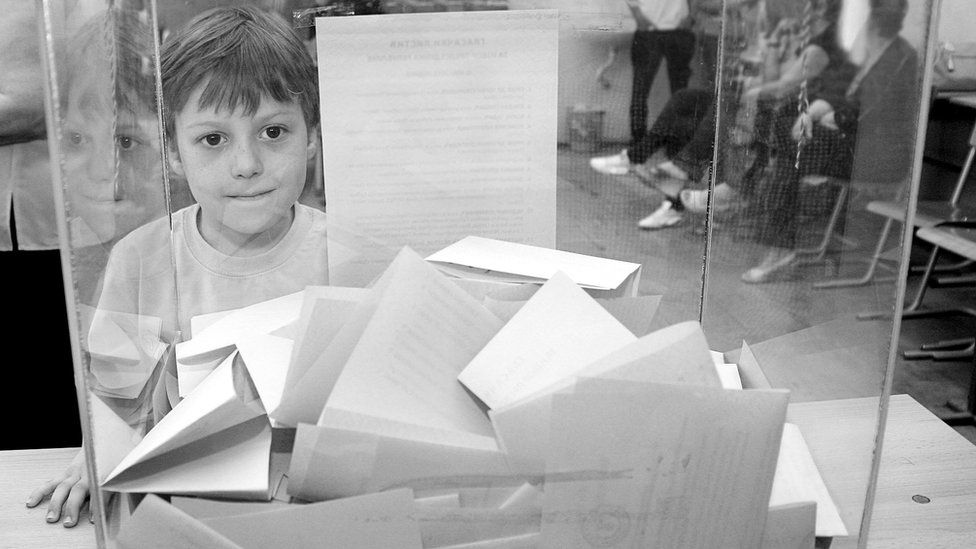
484 274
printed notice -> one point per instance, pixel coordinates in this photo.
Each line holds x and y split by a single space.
435 127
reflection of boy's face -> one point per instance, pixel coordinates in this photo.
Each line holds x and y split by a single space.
245 171
111 197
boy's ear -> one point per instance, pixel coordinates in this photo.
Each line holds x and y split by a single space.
312 148
175 163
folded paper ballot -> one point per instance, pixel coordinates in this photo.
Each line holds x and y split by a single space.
329 463
124 349
677 354
404 366
324 311
636 465
440 527
373 521
636 313
217 441
398 355
559 331
790 526
797 480
156 524
479 258
199 355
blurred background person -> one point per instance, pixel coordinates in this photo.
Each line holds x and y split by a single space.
663 33
30 262
855 128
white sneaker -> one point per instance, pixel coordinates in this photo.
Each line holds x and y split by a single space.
617 164
696 201
663 217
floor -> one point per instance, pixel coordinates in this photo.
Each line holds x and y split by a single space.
597 214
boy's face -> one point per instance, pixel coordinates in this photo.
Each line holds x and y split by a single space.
113 166
245 171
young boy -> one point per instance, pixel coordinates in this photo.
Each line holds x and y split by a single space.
241 111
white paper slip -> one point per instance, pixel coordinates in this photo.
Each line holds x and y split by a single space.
330 463
676 354
489 259
729 374
155 524
260 318
461 527
798 479
266 359
324 311
557 333
637 465
404 367
374 521
217 441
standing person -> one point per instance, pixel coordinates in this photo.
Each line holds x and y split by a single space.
30 261
662 33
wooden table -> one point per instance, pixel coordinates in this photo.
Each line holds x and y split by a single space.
21 471
922 457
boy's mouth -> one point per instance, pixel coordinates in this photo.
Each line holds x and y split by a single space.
251 195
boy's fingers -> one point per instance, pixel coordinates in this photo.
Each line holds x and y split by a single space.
57 500
39 494
72 505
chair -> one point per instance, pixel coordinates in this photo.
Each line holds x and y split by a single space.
815 254
927 214
960 240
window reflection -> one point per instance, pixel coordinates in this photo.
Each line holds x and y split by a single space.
110 137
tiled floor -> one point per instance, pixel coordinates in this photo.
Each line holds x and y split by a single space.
597 214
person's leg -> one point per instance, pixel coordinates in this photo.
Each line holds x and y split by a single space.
697 153
678 47
675 125
708 50
823 154
645 59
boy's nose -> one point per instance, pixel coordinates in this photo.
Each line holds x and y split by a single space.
100 165
247 162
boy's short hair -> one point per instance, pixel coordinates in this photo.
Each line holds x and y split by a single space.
240 54
117 43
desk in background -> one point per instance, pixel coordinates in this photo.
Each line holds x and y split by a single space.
922 457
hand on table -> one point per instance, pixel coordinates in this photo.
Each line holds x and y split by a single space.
68 493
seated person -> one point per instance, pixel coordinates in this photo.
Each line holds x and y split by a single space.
685 129
860 133
787 62
242 98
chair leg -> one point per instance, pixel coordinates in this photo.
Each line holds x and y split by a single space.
947 344
820 250
943 354
952 267
919 294
872 264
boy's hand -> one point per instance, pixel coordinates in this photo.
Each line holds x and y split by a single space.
68 493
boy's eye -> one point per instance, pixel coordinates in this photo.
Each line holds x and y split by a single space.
125 142
213 139
274 132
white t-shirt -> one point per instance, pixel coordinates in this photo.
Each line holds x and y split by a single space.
140 275
25 180
665 14
157 280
